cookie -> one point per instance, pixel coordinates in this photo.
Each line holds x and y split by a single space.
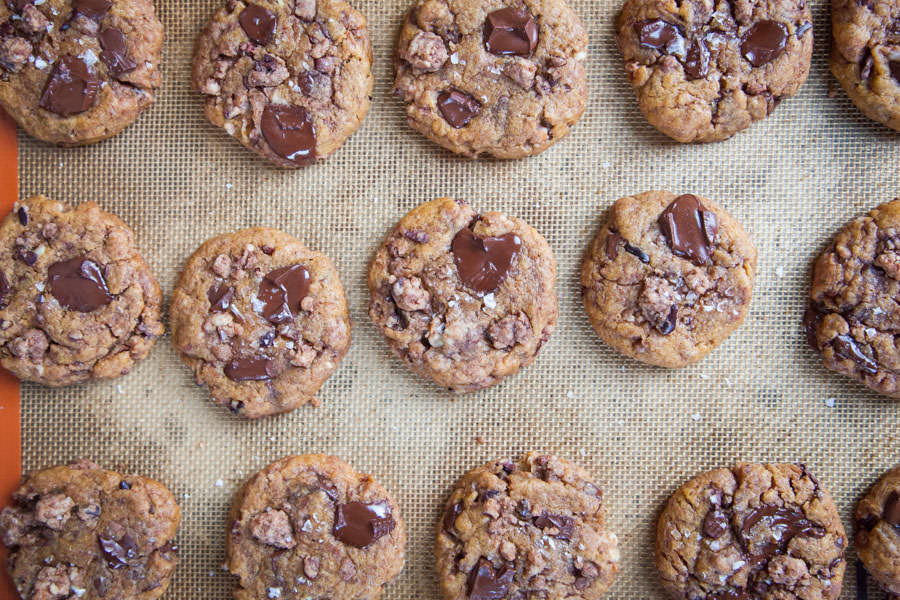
527 528
79 531
75 72
706 69
463 298
754 531
865 56
668 277
312 527
490 77
289 79
261 320
853 314
878 531
77 301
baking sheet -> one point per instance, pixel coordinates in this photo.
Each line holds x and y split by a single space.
792 180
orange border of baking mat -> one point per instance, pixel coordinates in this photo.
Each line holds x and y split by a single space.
10 424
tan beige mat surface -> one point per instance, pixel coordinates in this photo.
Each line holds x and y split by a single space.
762 396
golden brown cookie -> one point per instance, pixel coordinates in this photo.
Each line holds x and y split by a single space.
878 531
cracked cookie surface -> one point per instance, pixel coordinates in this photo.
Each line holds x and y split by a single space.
463 298
704 70
310 527
261 320
754 531
877 521
527 528
492 77
79 531
289 79
77 301
853 316
865 56
667 277
75 72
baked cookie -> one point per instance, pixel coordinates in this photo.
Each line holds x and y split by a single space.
498 77
465 299
75 72
312 527
865 56
79 531
878 531
853 314
260 319
529 528
707 69
77 301
754 531
668 277
289 79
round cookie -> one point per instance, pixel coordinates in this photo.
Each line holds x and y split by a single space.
878 531
289 79
853 314
75 72
312 527
79 531
498 77
754 531
707 69
77 301
463 298
531 528
261 320
668 277
865 56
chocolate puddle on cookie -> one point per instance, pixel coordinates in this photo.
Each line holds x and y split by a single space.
483 263
71 89
258 23
78 284
689 228
281 292
290 132
359 524
510 32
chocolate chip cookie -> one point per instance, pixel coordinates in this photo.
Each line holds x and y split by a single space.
463 298
260 319
75 72
668 277
704 70
312 527
878 531
77 301
527 528
754 531
79 531
289 79
865 56
853 314
498 77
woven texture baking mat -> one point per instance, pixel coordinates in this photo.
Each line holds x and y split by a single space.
792 180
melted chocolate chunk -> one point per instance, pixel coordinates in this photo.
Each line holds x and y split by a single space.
866 64
26 256
124 485
79 285
220 296
4 287
668 326
258 23
892 510
290 132
565 525
451 516
635 251
22 213
689 229
715 524
250 368
894 67
510 31
115 52
266 339
659 35
812 318
484 263
786 523
612 245
457 108
281 292
359 524
71 88
845 347
764 42
696 63
486 583
92 9
118 553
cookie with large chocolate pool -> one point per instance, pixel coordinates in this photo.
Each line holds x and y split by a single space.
312 527
753 531
668 277
261 320
79 531
77 300
487 77
528 528
289 79
877 520
74 72
853 315
463 298
704 70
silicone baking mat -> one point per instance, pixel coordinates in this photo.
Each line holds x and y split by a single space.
792 180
